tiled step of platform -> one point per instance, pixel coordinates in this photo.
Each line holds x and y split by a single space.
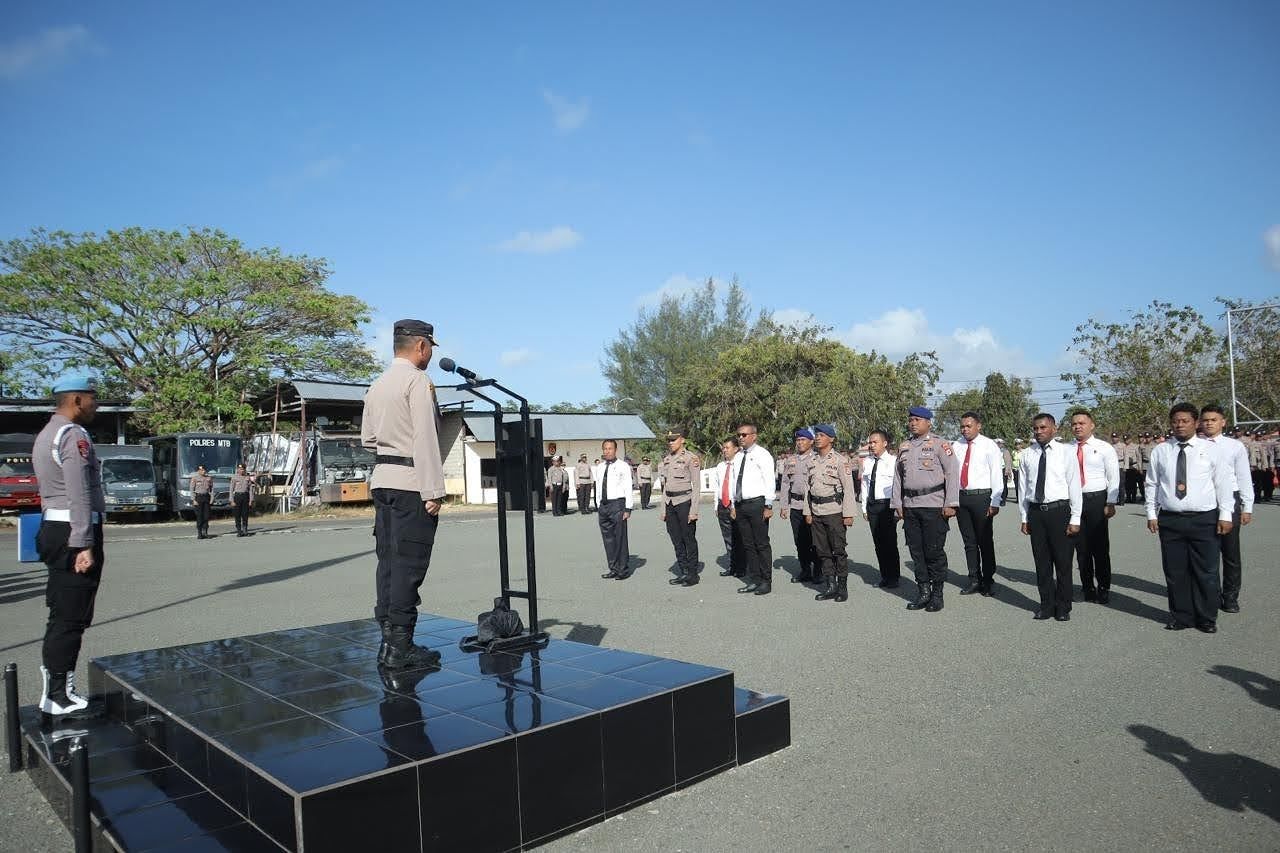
763 723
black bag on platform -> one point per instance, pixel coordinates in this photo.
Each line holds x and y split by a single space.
499 623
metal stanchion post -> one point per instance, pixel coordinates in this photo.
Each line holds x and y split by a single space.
80 797
11 724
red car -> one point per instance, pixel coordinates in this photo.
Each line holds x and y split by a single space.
18 488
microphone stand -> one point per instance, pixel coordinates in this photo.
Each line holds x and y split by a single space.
531 636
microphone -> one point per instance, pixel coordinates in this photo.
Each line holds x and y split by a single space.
448 365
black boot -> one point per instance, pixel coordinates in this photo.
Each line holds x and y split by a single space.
935 600
842 589
922 597
402 653
679 579
384 648
828 590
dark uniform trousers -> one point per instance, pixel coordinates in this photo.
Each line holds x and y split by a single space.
613 530
1189 551
884 535
925 530
584 499
241 502
753 527
829 539
558 499
202 513
1131 480
732 541
802 533
1231 562
1051 549
69 596
684 537
1093 542
404 535
976 532
646 492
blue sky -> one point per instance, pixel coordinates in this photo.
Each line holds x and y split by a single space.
974 178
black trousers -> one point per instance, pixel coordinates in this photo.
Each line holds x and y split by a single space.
69 596
202 513
404 535
753 527
830 538
613 531
925 530
802 534
1051 549
1232 563
1189 552
240 502
1131 478
584 499
646 492
979 540
557 495
684 536
732 541
884 535
1093 542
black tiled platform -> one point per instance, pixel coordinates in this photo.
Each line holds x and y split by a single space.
297 740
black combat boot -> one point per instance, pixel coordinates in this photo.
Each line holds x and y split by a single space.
842 589
922 596
828 589
403 653
935 600
384 648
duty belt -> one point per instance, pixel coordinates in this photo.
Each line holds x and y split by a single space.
51 514
827 499
406 461
678 494
919 493
975 491
797 497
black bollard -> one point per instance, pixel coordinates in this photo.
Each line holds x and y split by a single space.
11 724
80 827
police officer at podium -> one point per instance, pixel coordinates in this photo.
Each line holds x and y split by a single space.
70 538
401 426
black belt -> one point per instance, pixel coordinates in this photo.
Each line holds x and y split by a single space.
975 491
1187 512
827 499
406 461
878 501
796 497
1051 505
678 494
749 500
919 493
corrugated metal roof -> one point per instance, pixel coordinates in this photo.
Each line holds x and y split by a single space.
347 392
561 426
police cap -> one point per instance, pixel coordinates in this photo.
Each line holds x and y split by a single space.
74 382
920 412
416 329
675 432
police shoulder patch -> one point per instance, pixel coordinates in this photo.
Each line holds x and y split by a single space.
946 447
695 460
83 446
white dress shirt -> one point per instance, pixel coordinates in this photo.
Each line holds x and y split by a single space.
1236 458
718 475
1061 477
619 481
985 463
1101 468
1208 479
756 467
884 478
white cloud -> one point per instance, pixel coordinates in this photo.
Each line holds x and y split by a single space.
793 317
569 115
677 285
556 239
47 48
1272 239
512 357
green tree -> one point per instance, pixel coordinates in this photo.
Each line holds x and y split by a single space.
1004 403
682 334
1130 373
189 323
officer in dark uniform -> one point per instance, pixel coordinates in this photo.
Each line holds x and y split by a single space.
926 493
681 473
401 426
70 538
791 488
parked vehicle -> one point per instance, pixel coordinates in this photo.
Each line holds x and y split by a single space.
128 478
176 459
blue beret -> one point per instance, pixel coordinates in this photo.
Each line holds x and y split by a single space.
826 429
920 412
74 382
804 432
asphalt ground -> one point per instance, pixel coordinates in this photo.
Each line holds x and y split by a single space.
975 728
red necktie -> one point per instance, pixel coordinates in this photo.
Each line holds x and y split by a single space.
724 485
964 469
1080 459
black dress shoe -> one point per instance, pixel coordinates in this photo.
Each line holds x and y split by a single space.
1040 615
610 576
689 580
888 584
974 586
1104 596
1062 617
728 573
763 589
934 605
1230 607
1090 594
1174 625
677 580
749 588
987 590
1207 628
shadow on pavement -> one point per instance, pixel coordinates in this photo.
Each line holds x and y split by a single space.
1138 584
1134 607
1228 780
870 576
579 632
1261 688
13 593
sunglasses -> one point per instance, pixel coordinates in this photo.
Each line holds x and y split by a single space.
745 434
